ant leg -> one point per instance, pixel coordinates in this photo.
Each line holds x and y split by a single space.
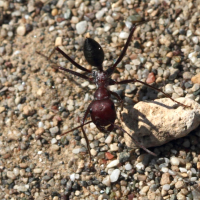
120 101
111 70
68 58
75 128
135 141
135 80
85 136
65 69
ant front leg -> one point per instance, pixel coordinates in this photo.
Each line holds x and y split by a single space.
135 80
84 134
56 66
68 58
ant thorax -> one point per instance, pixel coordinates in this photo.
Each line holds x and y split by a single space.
101 79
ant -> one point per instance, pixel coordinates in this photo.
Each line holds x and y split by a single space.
102 108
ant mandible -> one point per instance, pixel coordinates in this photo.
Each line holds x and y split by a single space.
102 108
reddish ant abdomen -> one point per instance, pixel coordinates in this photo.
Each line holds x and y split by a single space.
103 113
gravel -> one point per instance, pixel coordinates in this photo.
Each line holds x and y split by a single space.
38 103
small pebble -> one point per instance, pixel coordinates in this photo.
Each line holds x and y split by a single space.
174 161
55 147
166 187
165 179
114 147
112 164
128 166
21 30
54 12
37 170
114 175
106 181
81 27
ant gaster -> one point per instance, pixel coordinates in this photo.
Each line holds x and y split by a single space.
102 108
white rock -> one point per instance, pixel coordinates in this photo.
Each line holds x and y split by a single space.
55 147
51 28
166 187
140 166
60 3
81 27
53 141
11 175
113 163
93 152
21 188
189 33
169 89
101 13
193 56
114 175
54 130
148 44
193 179
109 19
182 169
172 172
74 20
123 35
160 121
174 161
164 169
178 90
114 147
195 39
37 170
83 142
16 171
128 166
72 177
76 151
77 176
109 139
193 170
40 124
21 30
20 88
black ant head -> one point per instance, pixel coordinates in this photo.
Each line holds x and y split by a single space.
93 53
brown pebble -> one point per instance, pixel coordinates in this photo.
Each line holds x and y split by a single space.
39 131
54 12
151 78
6 156
165 179
109 156
2 109
198 165
60 19
23 165
141 177
170 54
179 184
196 78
